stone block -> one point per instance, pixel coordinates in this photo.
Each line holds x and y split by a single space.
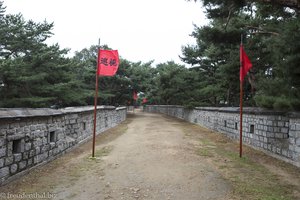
297 127
17 157
286 124
284 152
44 141
25 155
29 162
45 148
11 131
13 168
22 165
52 145
38 133
14 125
297 150
1 162
279 135
297 141
284 130
9 160
2 152
32 127
40 158
3 132
23 123
2 142
270 135
38 142
4 172
28 146
16 136
20 130
72 121
31 153
75 126
280 124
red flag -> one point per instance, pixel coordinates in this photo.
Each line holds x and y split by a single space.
108 62
145 100
245 63
135 95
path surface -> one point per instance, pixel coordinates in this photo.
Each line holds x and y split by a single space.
150 156
153 160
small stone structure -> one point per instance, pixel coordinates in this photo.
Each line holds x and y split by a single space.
30 137
276 133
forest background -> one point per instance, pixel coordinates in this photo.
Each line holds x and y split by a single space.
34 74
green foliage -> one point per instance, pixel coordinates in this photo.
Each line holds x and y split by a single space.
34 74
271 39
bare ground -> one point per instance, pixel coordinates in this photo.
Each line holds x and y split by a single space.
152 156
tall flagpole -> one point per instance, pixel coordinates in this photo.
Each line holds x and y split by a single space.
96 98
241 103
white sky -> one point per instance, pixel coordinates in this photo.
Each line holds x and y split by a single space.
142 30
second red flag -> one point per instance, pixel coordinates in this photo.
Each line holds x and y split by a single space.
245 63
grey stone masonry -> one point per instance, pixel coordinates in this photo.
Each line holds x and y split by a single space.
276 133
30 137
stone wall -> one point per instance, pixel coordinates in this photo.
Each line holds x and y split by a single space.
276 133
30 137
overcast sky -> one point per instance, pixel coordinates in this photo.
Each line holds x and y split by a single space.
142 30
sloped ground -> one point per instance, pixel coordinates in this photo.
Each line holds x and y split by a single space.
153 156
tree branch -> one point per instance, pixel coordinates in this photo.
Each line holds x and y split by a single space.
261 31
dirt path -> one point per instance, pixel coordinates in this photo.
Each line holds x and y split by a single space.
152 156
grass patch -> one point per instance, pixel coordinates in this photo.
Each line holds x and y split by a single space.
103 151
204 152
248 177
206 142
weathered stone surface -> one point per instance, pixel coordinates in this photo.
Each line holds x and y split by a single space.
2 152
33 127
9 160
1 162
4 172
22 165
28 146
273 131
17 157
13 168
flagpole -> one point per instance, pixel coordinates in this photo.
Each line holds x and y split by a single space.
95 101
241 105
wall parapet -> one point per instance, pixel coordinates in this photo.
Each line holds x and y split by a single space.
276 133
31 137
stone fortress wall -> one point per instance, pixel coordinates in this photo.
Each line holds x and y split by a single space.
276 133
30 137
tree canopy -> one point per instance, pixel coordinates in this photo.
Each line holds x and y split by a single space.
271 37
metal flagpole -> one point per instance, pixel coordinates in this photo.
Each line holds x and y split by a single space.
96 98
241 103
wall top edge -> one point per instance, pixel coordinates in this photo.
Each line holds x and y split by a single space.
246 110
9 113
